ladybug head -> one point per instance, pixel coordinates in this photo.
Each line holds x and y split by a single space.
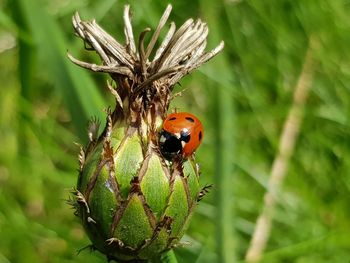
170 145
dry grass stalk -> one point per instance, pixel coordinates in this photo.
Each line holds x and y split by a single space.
287 143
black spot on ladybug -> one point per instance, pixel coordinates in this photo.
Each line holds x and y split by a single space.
172 119
189 119
200 135
185 136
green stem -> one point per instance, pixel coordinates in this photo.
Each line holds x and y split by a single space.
223 119
26 61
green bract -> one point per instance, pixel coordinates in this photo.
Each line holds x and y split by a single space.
134 205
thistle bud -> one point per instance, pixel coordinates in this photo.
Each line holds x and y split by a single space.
133 203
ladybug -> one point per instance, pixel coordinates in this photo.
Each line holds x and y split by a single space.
181 135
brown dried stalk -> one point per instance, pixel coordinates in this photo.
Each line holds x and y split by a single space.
286 148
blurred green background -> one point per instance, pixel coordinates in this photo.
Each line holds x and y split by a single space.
243 97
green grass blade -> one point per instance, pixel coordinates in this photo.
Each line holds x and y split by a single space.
26 68
223 120
76 87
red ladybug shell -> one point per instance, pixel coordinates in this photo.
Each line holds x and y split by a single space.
183 129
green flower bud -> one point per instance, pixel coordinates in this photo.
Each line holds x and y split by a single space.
133 203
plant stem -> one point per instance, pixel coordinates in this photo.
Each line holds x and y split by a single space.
26 66
287 143
223 120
